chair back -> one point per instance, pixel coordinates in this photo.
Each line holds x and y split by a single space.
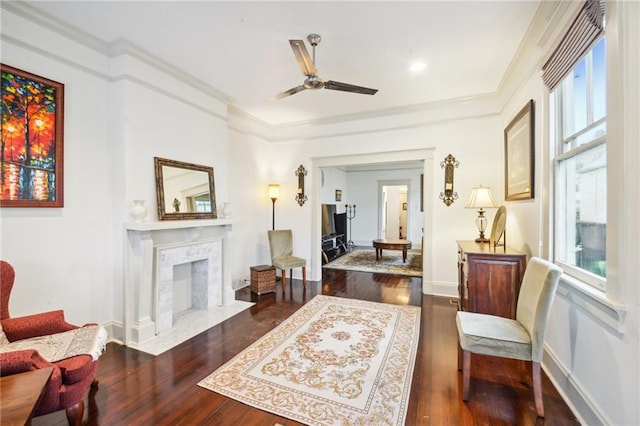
7 276
280 243
534 302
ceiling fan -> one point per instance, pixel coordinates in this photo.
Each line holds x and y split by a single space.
308 67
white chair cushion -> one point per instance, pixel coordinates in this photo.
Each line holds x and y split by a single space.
493 335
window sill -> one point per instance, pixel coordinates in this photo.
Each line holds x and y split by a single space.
594 302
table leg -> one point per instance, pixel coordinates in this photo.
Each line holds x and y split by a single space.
404 255
378 253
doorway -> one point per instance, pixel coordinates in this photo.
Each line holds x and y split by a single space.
393 211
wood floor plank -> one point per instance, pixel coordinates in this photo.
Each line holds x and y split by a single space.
140 389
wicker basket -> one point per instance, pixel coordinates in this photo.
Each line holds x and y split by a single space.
263 279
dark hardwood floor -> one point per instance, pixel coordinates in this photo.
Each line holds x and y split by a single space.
140 389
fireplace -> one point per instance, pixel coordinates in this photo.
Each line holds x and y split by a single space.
153 251
206 278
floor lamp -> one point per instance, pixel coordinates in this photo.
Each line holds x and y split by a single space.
274 193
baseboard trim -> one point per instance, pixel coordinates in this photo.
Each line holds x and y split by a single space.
438 288
572 391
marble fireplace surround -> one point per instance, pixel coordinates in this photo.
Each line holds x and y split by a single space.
152 250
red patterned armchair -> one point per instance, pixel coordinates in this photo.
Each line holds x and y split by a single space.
71 377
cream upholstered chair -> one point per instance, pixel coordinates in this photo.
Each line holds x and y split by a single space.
281 248
522 338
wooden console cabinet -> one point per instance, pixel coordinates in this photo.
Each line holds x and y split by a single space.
489 280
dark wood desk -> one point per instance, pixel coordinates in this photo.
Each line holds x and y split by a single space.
20 395
392 244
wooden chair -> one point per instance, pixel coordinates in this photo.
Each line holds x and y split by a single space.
522 338
281 248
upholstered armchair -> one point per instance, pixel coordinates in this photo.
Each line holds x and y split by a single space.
71 377
281 248
522 338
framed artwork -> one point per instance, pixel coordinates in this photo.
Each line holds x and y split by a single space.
31 151
338 195
404 206
519 155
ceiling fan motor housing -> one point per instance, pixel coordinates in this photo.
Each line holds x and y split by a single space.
314 39
313 82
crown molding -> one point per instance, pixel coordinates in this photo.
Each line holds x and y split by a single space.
410 116
113 49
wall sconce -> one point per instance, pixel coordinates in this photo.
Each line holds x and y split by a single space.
480 199
301 173
274 193
448 196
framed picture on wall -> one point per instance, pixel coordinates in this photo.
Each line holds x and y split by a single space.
32 146
338 195
404 206
519 155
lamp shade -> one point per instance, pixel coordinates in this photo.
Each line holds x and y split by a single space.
274 190
481 197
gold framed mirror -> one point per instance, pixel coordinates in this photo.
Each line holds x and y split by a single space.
184 190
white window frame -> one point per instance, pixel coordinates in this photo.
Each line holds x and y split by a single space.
556 123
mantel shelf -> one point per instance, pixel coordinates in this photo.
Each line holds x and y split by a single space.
177 224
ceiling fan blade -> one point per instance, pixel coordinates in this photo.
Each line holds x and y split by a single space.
289 92
302 56
336 85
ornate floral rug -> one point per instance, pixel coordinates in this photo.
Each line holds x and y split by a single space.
364 259
335 361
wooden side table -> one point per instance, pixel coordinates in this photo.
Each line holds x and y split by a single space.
489 278
21 393
392 244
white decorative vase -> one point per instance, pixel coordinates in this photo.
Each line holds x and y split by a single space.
138 211
226 210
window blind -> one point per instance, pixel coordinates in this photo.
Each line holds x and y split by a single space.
584 31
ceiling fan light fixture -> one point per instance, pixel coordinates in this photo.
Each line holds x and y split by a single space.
417 66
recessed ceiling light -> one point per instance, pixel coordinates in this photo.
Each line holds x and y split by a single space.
417 66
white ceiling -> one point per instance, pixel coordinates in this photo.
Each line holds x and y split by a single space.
242 49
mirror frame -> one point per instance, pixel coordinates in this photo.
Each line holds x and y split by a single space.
162 214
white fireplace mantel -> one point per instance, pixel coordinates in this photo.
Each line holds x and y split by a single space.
141 240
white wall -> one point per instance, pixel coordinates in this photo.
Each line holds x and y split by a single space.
366 189
472 133
249 177
332 179
64 257
120 112
592 343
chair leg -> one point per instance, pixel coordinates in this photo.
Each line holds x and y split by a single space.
459 357
466 373
537 388
304 276
75 413
284 278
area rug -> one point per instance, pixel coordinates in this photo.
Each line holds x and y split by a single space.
335 361
364 260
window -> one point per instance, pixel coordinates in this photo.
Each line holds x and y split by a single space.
579 130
